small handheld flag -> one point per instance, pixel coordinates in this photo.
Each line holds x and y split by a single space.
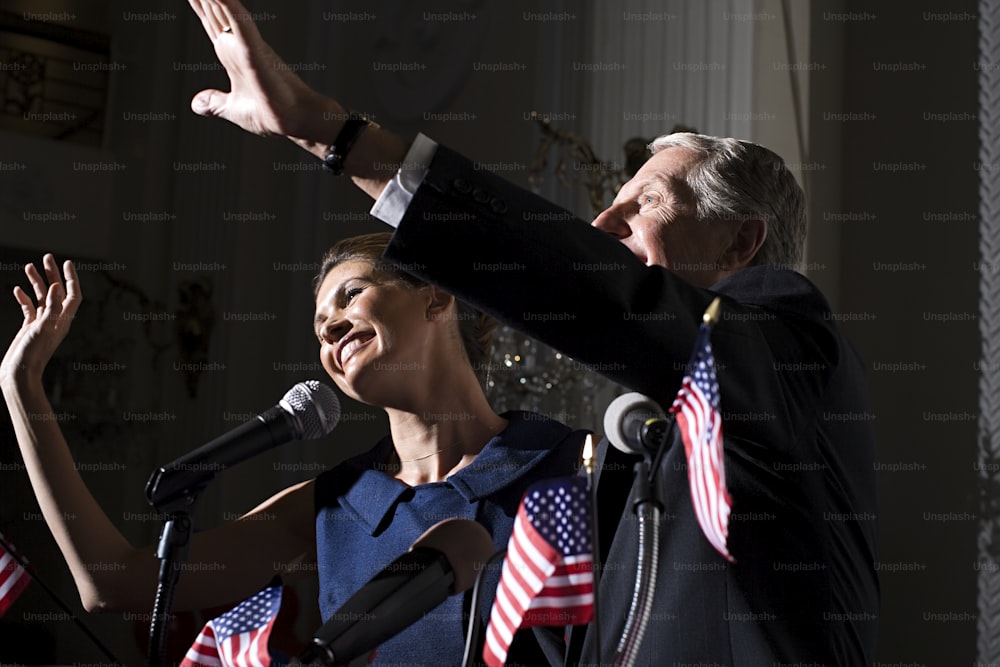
13 578
238 638
700 421
547 577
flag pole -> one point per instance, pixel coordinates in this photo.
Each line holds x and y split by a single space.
588 466
711 315
9 548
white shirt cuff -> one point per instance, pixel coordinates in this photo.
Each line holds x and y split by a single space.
391 205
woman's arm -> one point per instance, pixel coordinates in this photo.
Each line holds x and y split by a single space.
227 563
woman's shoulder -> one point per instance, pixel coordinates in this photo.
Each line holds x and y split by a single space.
530 436
530 447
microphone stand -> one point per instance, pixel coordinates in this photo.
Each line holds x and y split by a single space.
647 509
172 550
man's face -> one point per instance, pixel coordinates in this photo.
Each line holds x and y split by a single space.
654 216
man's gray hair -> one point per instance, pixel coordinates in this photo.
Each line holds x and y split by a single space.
740 180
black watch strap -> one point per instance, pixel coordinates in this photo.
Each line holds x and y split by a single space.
342 145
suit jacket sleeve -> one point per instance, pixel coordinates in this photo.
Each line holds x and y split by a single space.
539 269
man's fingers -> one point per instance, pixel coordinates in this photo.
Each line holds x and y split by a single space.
196 6
218 16
233 14
231 11
229 18
208 21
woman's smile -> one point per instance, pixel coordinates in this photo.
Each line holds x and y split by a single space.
351 344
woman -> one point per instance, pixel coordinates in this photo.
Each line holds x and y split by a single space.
386 340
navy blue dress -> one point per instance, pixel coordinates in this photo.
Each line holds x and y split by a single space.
365 519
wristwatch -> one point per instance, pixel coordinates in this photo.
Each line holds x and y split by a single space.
346 138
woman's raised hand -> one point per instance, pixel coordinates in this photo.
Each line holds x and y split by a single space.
47 318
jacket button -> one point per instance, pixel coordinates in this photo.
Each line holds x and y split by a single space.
498 205
462 186
480 195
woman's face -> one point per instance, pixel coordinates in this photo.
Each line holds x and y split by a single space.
374 332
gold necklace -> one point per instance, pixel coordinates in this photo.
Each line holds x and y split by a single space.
427 456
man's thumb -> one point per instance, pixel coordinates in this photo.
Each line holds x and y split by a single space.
208 102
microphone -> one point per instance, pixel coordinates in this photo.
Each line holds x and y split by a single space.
635 424
443 561
308 410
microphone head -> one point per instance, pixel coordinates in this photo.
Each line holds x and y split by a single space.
466 544
314 407
625 416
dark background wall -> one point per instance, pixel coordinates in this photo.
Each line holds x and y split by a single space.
910 261
165 201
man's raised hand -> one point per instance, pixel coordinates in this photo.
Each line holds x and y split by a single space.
266 97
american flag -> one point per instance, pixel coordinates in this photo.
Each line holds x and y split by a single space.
13 577
697 410
547 577
239 637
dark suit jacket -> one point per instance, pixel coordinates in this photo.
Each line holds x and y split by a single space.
799 444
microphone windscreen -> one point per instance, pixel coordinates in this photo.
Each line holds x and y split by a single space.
623 418
314 407
466 544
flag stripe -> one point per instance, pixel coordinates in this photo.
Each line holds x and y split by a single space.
556 601
505 624
568 581
11 573
495 649
522 580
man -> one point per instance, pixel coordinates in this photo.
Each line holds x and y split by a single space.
704 217
798 446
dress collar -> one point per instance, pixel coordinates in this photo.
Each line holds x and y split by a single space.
506 458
